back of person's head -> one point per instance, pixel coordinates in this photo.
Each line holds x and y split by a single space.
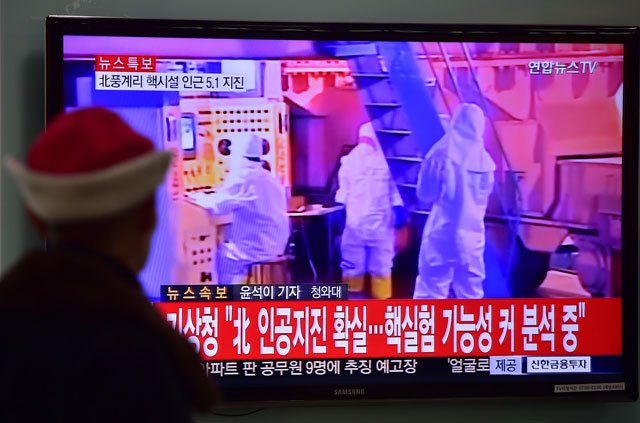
252 147
367 135
468 122
90 179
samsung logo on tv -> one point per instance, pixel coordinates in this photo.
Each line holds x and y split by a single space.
347 392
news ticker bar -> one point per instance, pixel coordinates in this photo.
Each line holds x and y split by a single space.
206 293
439 366
265 330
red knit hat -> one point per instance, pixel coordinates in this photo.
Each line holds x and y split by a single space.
88 164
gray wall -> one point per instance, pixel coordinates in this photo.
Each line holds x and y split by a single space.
22 111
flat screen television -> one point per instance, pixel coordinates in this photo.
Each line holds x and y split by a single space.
410 211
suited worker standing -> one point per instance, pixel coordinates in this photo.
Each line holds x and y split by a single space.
79 341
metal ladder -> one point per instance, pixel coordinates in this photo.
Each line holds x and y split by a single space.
395 96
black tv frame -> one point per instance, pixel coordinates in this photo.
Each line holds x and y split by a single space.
248 395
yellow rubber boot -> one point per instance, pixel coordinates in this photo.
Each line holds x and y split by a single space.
381 287
356 283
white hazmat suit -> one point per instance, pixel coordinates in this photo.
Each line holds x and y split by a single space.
257 202
457 175
369 194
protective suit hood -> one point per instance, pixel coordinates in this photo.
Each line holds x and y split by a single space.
468 122
373 154
465 139
244 146
253 147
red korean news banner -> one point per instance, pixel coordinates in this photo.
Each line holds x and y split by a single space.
255 330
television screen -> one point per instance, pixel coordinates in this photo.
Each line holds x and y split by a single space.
382 212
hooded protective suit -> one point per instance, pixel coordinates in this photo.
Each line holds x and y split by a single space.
457 175
260 228
370 195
